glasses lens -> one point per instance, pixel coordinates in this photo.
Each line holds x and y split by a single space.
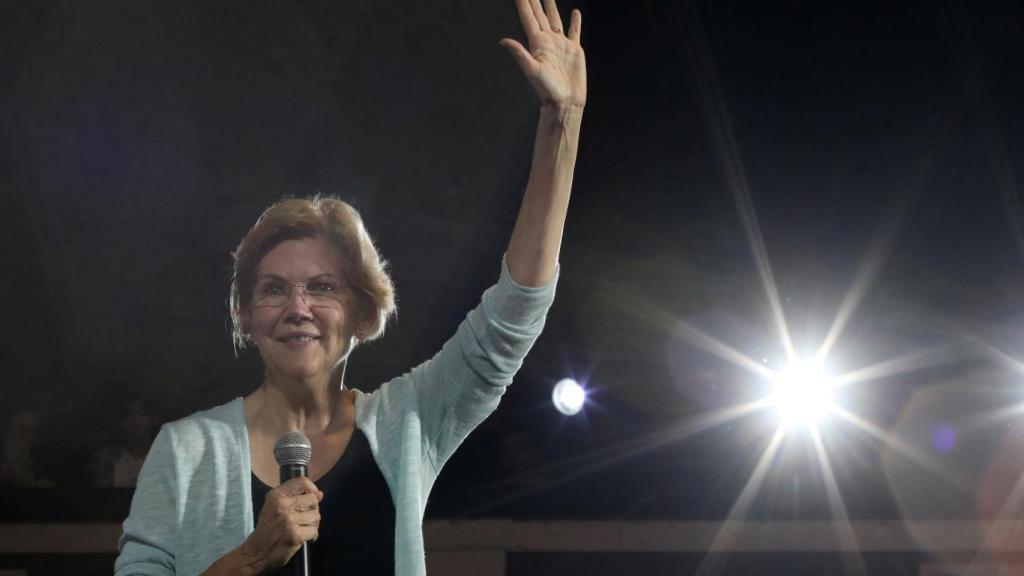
271 294
270 300
323 293
319 294
321 301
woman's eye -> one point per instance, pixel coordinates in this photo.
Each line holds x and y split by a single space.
322 286
271 290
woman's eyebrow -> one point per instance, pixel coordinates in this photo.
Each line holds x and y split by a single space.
270 277
277 278
329 275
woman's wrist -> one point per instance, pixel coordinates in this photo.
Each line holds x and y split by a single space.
564 114
251 562
238 562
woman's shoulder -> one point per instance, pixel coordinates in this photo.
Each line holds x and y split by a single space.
225 422
395 395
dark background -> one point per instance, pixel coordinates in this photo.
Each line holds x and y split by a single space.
878 141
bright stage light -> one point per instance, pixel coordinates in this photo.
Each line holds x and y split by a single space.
802 394
568 397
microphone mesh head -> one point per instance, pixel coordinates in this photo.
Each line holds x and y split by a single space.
293 448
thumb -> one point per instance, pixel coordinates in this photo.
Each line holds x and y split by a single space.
522 55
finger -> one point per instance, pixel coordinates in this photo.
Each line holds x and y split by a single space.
554 19
527 17
309 533
296 486
538 14
307 518
575 25
305 502
296 535
521 54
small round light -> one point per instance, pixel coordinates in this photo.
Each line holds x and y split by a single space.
568 397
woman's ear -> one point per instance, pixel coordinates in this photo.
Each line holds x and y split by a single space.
245 315
363 330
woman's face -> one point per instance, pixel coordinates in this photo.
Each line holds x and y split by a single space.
298 340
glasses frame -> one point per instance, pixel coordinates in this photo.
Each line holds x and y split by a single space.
311 300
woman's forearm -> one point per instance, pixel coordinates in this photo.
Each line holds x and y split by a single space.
537 236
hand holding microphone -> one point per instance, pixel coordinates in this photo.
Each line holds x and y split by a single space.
290 514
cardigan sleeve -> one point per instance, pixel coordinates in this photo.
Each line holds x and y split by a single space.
147 543
461 385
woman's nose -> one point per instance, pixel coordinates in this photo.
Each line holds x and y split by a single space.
297 302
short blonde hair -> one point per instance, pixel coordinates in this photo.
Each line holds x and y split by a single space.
317 217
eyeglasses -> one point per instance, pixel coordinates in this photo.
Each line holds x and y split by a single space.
318 293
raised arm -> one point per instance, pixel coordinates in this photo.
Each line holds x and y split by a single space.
555 66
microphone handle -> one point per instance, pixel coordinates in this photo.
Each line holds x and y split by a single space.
289 471
299 563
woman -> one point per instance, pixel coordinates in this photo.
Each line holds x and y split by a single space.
308 285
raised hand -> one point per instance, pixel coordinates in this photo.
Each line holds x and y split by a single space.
554 64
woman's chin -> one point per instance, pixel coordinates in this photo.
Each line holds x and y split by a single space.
299 372
302 369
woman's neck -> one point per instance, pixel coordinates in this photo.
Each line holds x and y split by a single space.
310 406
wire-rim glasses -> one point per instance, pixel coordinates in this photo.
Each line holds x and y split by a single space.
316 293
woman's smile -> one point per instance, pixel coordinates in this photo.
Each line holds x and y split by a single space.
298 339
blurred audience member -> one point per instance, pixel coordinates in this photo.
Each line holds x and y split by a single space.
18 467
119 465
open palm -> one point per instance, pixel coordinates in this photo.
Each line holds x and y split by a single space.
554 63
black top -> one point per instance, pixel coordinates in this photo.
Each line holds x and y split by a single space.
357 516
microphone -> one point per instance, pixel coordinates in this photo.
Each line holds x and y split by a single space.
292 453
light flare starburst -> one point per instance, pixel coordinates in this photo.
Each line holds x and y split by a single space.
802 394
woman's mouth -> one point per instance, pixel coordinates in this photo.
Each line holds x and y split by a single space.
298 339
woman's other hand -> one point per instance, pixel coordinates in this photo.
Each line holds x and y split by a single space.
554 64
290 516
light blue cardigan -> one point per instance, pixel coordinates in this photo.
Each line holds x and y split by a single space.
193 500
